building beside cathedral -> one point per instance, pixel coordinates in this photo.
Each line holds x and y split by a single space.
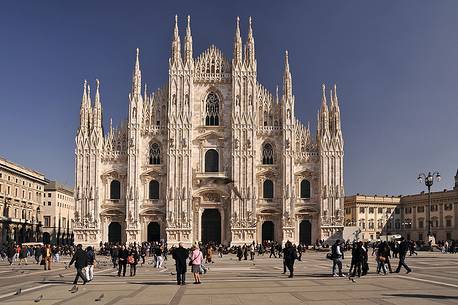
210 156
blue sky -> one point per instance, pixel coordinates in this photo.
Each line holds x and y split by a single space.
394 62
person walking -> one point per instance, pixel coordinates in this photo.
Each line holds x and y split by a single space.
114 255
403 248
299 252
337 256
289 256
252 251
23 255
80 260
90 263
196 260
239 253
47 256
37 253
159 258
122 260
357 259
180 255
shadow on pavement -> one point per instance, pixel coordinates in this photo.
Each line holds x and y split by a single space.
423 296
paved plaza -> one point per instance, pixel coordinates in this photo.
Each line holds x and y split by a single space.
434 280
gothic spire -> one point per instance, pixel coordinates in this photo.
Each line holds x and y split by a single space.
237 50
84 108
323 116
287 80
324 103
97 103
188 42
335 113
250 54
137 76
176 44
97 107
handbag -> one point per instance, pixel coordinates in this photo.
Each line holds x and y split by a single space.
130 259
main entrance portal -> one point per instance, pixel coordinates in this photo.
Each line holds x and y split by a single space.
305 232
268 231
114 232
154 232
211 226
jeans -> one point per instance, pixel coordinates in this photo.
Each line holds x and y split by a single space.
402 263
337 262
79 274
181 278
122 267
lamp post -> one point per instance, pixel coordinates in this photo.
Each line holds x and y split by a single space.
429 180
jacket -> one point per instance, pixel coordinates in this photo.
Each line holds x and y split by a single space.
79 258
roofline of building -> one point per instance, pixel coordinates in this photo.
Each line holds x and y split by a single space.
21 170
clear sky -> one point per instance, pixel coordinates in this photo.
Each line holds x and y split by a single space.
395 64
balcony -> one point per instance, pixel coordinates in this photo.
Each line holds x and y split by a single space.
212 175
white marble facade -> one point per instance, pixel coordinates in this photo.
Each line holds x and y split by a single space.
211 155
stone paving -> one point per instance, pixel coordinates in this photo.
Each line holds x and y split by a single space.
434 280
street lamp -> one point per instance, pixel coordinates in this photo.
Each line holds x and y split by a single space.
429 180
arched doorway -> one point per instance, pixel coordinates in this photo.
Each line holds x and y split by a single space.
114 232
46 238
211 226
268 231
154 232
305 232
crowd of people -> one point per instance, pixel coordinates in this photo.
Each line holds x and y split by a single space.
197 256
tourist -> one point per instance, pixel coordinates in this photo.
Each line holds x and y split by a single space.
132 259
47 256
196 260
290 255
337 256
252 251
272 251
122 260
412 248
299 252
90 263
159 258
245 252
357 259
23 255
80 260
179 255
37 253
208 257
114 255
403 248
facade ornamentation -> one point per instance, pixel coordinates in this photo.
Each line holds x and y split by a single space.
210 155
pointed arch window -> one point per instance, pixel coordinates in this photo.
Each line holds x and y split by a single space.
267 154
212 110
153 189
115 190
268 189
154 154
305 189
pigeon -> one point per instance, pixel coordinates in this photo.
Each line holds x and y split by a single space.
38 299
22 271
18 292
60 275
66 267
171 273
100 297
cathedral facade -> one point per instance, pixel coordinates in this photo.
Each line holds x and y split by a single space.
210 156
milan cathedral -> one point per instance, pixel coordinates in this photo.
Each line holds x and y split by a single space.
211 156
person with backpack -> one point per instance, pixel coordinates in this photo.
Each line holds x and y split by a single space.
337 257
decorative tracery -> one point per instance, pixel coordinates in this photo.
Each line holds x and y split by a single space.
267 154
212 110
154 154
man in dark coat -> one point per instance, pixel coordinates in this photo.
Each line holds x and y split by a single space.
403 248
80 260
122 260
180 255
290 255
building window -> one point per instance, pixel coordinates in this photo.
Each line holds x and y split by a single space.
49 203
420 236
380 224
421 209
448 206
421 223
211 161
154 154
371 224
397 211
115 189
361 210
305 189
212 110
362 224
49 194
267 154
434 208
408 210
47 221
371 210
448 222
397 224
268 189
380 210
153 189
